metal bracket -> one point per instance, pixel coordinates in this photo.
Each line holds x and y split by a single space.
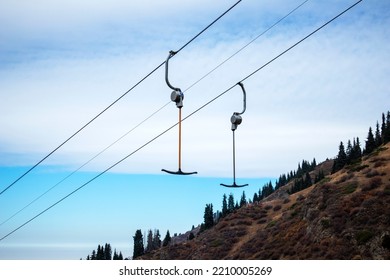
236 118
177 95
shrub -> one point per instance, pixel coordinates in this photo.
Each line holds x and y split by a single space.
285 201
244 222
268 207
325 223
350 188
277 207
363 236
373 184
386 242
271 224
372 173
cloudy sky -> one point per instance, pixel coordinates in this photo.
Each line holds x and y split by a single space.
62 62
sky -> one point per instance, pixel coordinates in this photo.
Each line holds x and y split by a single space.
63 62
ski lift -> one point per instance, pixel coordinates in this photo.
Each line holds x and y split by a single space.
177 96
236 119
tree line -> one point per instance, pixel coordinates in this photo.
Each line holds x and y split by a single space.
104 253
353 153
153 242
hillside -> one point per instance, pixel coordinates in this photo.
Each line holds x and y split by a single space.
344 216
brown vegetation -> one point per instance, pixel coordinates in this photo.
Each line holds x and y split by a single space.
345 216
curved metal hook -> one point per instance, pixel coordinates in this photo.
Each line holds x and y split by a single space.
171 54
244 100
236 118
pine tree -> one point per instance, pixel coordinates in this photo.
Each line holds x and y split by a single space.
386 137
167 239
243 201
149 242
115 257
100 253
120 257
313 164
341 159
138 244
208 216
107 252
308 182
231 203
370 142
255 198
224 206
357 151
319 176
349 152
93 256
378 137
156 239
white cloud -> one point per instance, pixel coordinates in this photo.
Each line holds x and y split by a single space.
328 89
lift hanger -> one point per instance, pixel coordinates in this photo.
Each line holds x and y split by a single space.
177 96
236 119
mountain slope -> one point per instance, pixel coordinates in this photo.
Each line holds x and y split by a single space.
345 216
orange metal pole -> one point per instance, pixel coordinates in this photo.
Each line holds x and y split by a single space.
179 139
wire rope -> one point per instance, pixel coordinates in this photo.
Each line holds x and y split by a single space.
158 110
188 116
117 100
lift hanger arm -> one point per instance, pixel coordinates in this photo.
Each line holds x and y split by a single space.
171 54
244 98
236 119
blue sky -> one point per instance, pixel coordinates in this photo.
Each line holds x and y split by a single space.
61 63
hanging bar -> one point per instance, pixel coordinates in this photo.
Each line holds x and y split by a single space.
236 120
177 96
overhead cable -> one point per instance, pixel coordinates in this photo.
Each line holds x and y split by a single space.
158 110
188 116
113 103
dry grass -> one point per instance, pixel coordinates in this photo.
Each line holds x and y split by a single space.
345 216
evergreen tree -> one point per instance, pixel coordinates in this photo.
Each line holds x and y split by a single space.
319 176
224 206
138 244
149 242
386 136
115 257
341 159
307 181
357 151
93 256
313 164
378 137
208 216
120 257
370 142
100 253
349 152
156 239
231 203
107 252
243 201
383 128
255 198
167 239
